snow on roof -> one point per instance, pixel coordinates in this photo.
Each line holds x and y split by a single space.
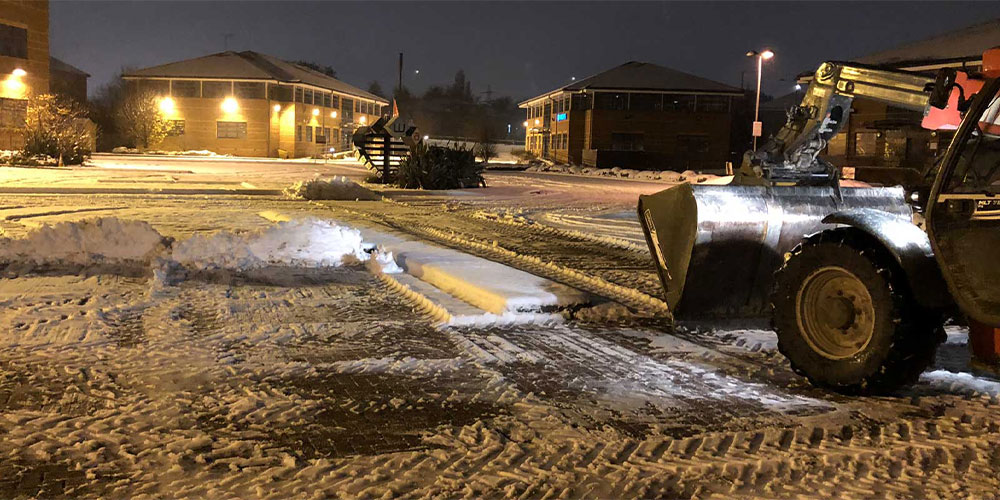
59 65
967 43
637 76
249 65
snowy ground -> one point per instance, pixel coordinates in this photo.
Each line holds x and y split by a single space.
235 377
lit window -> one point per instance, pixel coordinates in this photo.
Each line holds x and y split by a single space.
231 130
176 128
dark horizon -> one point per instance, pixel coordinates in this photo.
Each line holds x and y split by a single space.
515 48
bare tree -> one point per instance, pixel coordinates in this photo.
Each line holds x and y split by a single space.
486 150
138 118
56 126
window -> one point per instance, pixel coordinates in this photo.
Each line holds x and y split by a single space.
308 96
326 135
281 93
231 130
865 143
185 88
298 132
978 166
692 145
159 87
176 128
713 103
580 101
678 102
309 133
347 109
216 89
610 101
298 94
646 102
13 41
626 141
13 112
357 106
326 100
335 101
250 90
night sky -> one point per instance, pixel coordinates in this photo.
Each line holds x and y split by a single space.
519 48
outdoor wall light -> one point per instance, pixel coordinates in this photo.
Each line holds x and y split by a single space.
526 124
315 112
229 105
18 72
333 114
167 105
537 121
277 107
363 120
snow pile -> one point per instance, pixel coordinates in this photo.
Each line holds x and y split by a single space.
961 382
337 188
90 241
300 243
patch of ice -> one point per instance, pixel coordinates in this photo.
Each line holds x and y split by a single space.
963 382
104 239
300 242
336 188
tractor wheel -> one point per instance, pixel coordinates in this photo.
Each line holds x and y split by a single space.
846 319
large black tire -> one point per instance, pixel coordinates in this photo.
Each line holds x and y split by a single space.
876 354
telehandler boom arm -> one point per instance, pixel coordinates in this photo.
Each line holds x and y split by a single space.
790 156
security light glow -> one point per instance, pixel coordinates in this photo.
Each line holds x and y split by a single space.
333 114
537 121
767 54
315 112
229 105
19 72
427 137
277 107
363 120
798 87
525 124
167 105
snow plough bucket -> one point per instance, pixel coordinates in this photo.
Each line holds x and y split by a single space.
716 247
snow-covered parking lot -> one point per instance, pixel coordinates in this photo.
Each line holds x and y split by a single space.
183 367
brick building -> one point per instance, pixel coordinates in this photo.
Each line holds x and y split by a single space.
252 104
24 63
637 115
68 80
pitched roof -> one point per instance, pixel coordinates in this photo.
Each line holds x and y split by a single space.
249 65
59 65
637 76
967 43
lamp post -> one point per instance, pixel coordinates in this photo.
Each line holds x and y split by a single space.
757 126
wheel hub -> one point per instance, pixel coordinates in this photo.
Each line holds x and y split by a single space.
835 313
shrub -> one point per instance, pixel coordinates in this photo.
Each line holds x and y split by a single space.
139 120
55 127
440 168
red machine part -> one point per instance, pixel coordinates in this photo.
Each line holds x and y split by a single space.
984 340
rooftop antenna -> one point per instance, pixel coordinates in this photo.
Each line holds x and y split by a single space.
225 39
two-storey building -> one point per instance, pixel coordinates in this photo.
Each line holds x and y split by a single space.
252 104
637 115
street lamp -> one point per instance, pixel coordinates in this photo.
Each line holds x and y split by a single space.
761 57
